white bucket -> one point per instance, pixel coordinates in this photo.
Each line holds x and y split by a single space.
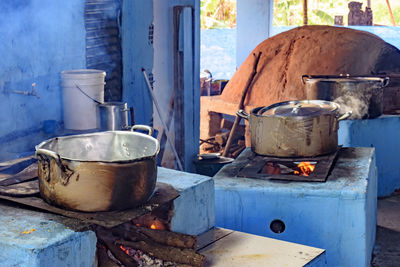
82 91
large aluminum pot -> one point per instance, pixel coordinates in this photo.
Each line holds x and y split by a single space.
362 95
102 171
303 128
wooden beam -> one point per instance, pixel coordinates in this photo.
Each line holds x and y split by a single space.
391 13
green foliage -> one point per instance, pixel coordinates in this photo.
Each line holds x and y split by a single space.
222 13
290 12
217 14
321 17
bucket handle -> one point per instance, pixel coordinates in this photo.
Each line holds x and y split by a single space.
83 92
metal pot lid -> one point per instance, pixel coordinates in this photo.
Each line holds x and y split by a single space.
345 78
302 108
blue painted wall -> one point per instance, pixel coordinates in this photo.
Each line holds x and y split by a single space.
381 133
254 22
164 74
137 53
38 39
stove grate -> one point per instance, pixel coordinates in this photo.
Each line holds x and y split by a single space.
273 168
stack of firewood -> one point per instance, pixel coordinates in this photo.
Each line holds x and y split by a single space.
164 245
216 144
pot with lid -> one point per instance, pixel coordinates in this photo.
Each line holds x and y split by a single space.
301 128
363 95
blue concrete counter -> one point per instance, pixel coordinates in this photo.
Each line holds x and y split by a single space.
338 215
194 208
37 239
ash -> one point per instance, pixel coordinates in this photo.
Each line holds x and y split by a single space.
145 260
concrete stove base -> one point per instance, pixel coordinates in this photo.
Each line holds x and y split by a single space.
48 240
338 215
57 240
381 133
194 208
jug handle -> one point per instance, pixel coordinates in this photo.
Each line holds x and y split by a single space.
132 112
144 128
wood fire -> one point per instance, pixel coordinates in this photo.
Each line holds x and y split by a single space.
305 168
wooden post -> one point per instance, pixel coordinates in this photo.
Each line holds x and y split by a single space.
305 16
241 104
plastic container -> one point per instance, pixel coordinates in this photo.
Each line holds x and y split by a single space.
82 90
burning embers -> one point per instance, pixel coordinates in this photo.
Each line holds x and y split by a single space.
133 245
147 241
304 168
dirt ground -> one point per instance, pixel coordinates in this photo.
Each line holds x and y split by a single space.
387 245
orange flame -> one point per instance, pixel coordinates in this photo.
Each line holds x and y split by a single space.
157 224
306 168
124 249
153 223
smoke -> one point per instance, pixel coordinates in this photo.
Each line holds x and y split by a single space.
355 101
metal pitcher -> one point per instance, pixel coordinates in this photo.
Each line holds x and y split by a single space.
114 116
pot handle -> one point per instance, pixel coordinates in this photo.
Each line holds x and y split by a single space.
243 114
345 116
48 153
385 81
303 78
144 128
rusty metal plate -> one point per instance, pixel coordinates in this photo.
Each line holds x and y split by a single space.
24 189
163 194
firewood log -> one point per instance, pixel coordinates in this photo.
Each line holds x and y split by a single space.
221 138
107 240
137 233
167 253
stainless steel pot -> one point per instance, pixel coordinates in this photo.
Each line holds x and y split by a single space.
362 95
303 128
114 116
101 171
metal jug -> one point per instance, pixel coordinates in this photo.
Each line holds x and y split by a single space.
114 116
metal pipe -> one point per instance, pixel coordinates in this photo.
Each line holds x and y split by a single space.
32 92
162 120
